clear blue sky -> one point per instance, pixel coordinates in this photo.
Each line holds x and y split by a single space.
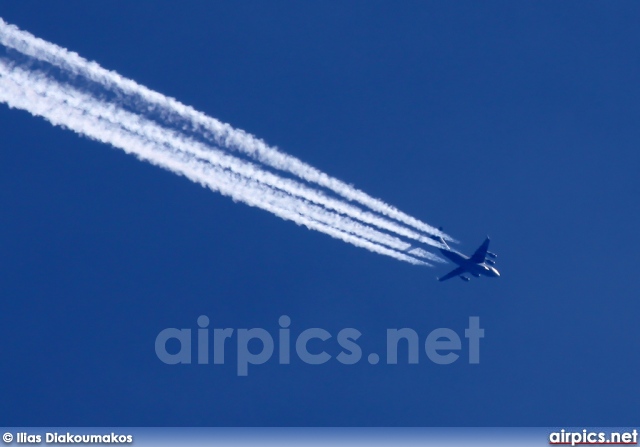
513 119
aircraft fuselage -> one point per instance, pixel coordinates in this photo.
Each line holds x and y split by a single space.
475 269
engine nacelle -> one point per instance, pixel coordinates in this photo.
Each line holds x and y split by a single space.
464 278
490 262
493 255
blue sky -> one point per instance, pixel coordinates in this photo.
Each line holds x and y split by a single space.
513 119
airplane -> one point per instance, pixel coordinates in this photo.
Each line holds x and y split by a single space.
478 264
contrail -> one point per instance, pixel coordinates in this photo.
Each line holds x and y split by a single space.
172 139
110 122
41 96
207 127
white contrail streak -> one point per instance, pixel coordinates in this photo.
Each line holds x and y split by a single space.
42 96
209 128
174 140
54 94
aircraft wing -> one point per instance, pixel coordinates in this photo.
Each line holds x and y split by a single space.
452 273
481 253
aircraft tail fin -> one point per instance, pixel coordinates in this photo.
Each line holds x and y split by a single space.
439 239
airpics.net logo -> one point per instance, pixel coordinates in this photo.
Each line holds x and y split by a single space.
257 346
